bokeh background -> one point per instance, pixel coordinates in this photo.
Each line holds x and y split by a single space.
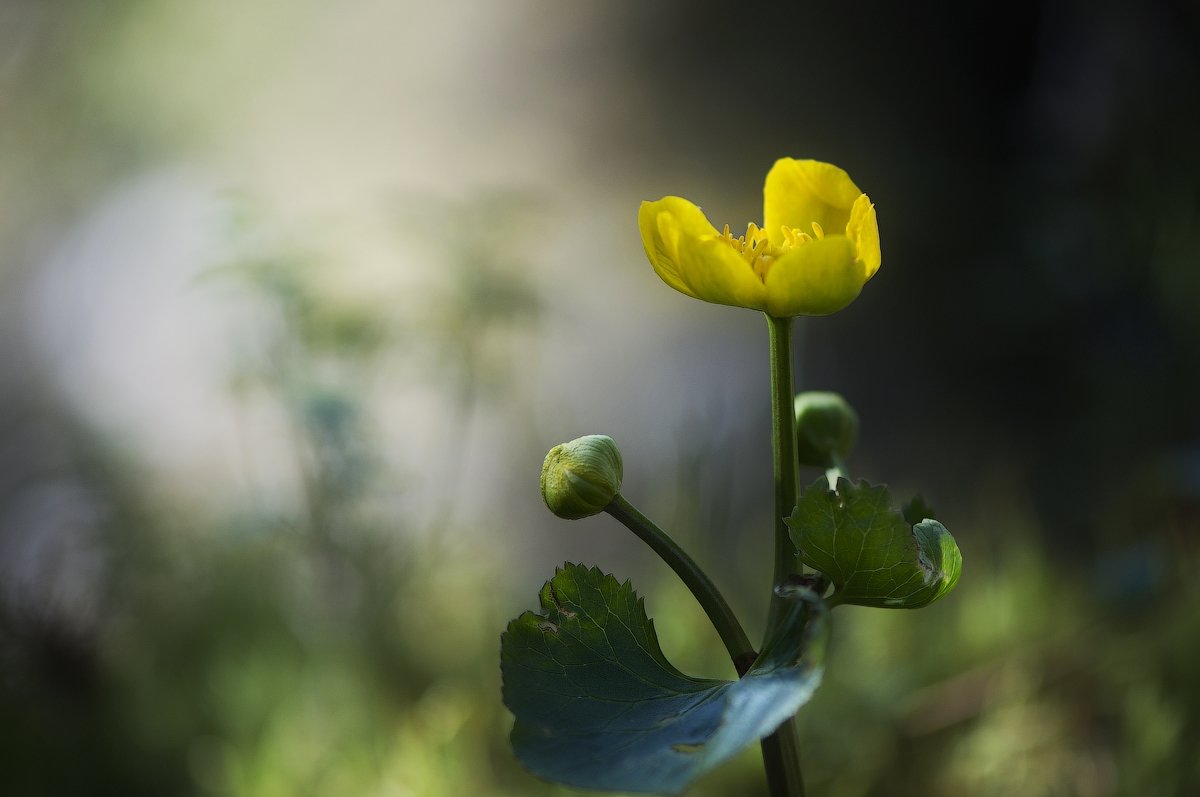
294 296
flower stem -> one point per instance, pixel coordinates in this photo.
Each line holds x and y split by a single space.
783 443
709 597
781 750
781 758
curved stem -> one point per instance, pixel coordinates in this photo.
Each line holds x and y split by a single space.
781 750
706 592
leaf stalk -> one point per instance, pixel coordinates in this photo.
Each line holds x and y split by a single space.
694 578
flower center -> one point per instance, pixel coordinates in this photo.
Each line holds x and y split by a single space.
760 253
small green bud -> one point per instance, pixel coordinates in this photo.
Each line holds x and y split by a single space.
826 428
582 477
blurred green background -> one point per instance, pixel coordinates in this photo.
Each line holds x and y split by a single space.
294 296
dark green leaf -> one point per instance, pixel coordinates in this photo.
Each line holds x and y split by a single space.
869 552
598 706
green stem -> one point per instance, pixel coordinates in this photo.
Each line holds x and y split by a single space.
781 759
783 444
706 592
781 750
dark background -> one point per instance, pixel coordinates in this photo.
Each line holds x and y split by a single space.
1036 168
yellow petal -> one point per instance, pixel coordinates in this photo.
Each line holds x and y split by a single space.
818 278
799 192
688 254
863 232
718 274
660 237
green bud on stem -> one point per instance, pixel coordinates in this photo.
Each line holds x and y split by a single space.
582 477
826 429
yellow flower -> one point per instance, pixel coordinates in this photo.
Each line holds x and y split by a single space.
818 246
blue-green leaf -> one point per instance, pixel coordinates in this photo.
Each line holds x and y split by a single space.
872 554
598 706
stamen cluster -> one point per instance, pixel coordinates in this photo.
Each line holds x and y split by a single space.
758 251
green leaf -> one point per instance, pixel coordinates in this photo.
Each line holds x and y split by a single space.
869 552
598 706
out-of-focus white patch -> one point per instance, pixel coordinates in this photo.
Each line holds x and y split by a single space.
335 129
140 346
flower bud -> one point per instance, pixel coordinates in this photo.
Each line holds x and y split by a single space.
826 428
582 477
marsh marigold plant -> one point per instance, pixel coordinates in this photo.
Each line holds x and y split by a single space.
596 703
817 247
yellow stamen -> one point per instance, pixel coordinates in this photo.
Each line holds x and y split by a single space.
758 251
